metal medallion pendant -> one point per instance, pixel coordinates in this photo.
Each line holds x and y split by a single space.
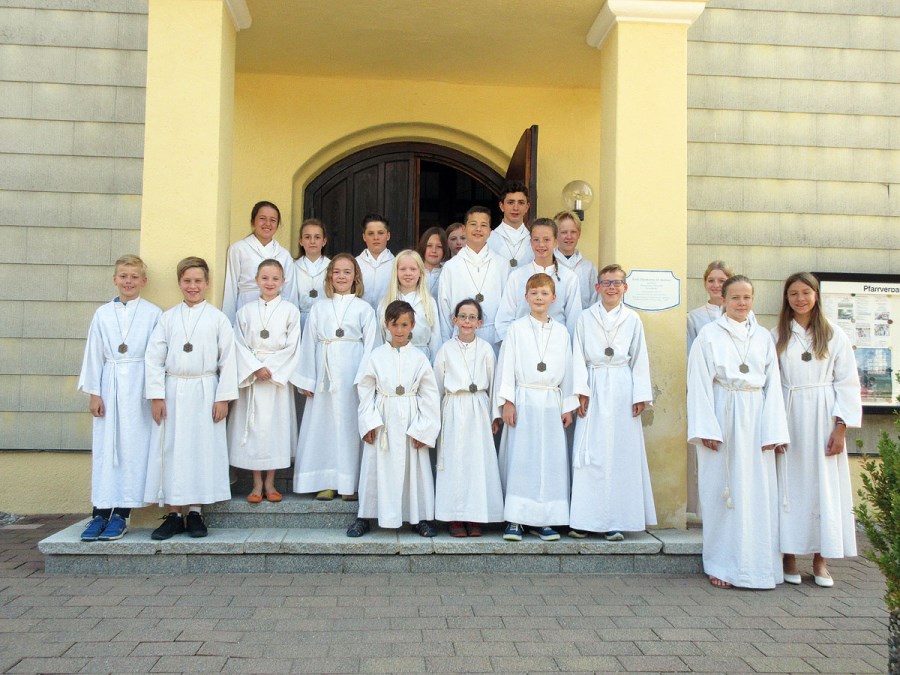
188 347
339 332
473 387
123 348
744 368
609 351
479 298
314 293
400 390
513 262
263 333
541 367
806 356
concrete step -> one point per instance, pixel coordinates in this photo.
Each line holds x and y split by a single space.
294 511
294 550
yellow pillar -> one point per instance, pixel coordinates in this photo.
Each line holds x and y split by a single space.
188 139
643 201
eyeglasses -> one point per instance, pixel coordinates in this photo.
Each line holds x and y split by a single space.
468 317
615 283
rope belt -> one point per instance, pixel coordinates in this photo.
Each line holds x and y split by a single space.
782 466
211 373
385 396
113 412
447 396
325 367
729 413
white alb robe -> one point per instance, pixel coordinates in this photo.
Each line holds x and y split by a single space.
433 277
425 338
467 487
121 438
699 317
534 463
328 449
565 309
242 263
262 423
309 279
511 243
188 461
744 412
396 484
816 495
376 274
586 272
610 477
465 276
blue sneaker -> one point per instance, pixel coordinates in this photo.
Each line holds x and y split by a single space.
545 533
115 528
513 532
614 535
94 529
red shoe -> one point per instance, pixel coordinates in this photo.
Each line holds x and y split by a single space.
274 496
474 529
457 529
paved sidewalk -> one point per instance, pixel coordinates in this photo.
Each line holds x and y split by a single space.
407 622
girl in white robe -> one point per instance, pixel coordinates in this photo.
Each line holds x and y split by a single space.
569 232
112 373
566 308
191 377
262 424
245 255
822 393
467 486
310 267
408 283
736 419
399 419
339 334
434 251
533 388
611 488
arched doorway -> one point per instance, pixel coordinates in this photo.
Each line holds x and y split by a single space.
414 185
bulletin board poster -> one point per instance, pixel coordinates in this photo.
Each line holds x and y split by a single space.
867 307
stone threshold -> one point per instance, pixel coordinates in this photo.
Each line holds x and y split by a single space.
281 550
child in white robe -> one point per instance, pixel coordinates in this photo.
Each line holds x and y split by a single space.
736 419
399 419
375 260
434 251
262 424
820 382
569 232
510 240
456 238
475 272
340 332
191 377
310 267
467 487
112 373
567 306
533 389
610 478
408 283
245 255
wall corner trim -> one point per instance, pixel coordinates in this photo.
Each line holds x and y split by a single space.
240 13
683 12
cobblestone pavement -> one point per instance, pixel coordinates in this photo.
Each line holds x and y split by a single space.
453 623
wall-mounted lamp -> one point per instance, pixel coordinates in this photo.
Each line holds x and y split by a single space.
578 196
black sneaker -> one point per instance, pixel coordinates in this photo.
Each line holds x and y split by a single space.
195 525
172 524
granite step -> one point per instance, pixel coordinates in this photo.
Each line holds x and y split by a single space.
294 511
304 549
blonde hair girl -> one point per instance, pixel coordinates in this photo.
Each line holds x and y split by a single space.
409 283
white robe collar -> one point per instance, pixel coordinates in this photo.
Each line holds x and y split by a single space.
738 330
478 259
383 257
612 318
514 235
313 268
269 250
571 262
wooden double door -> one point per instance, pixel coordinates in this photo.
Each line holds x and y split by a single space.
414 185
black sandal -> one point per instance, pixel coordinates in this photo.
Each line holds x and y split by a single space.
425 529
358 528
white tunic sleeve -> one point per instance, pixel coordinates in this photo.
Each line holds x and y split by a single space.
227 387
368 413
92 365
155 359
509 306
426 423
232 272
774 428
445 311
307 367
642 391
247 363
847 394
702 421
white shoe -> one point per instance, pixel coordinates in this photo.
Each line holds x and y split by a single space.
792 579
824 582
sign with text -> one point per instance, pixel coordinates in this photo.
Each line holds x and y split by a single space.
653 290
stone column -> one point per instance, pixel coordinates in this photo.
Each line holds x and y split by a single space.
643 201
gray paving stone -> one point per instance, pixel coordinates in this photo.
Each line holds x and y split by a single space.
189 664
327 665
842 665
120 664
49 665
779 664
588 664
485 563
680 542
717 664
257 665
668 664
376 564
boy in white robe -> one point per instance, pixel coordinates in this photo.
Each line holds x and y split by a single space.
191 377
475 272
610 478
245 255
376 260
467 490
510 240
567 253
533 389
112 373
262 423
399 419
736 419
